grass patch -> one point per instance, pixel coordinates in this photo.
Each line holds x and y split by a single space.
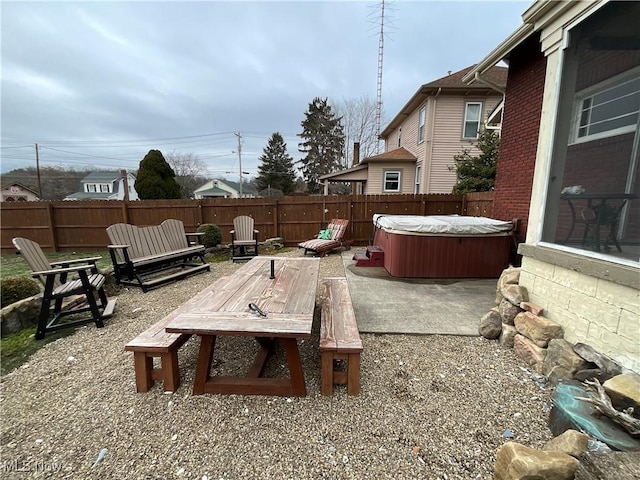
15 265
16 348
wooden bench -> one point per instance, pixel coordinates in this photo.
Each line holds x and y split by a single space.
156 342
339 337
139 254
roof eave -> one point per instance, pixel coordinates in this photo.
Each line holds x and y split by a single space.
499 53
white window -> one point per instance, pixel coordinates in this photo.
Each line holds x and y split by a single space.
104 188
609 109
91 187
392 181
399 137
422 120
472 120
418 179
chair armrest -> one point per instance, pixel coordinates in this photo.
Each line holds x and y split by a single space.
57 271
197 235
117 246
65 263
232 232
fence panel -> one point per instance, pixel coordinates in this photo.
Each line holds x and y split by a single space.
82 225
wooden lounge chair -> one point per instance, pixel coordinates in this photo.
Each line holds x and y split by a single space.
244 238
337 227
64 296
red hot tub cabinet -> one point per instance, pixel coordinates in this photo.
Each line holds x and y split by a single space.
443 246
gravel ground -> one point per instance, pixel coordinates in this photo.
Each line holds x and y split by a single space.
430 407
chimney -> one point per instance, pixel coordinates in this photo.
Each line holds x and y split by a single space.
125 184
356 161
356 153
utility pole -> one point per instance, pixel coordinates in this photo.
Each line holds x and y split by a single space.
239 135
38 172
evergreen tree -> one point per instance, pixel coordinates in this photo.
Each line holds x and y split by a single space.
322 143
276 170
156 179
477 173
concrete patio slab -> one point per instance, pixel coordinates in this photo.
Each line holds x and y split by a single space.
385 304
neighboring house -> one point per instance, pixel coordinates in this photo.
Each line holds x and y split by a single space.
570 122
440 120
105 186
223 188
16 192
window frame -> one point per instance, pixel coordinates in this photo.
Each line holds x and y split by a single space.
422 123
105 188
385 181
589 93
465 121
418 179
92 188
399 136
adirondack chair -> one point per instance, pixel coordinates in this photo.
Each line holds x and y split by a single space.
320 246
64 296
244 238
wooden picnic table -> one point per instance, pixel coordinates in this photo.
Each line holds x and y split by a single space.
288 300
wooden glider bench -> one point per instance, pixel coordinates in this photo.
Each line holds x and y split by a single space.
140 253
339 337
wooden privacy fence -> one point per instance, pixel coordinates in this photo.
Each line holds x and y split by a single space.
81 225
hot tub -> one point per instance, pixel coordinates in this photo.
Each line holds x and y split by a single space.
443 246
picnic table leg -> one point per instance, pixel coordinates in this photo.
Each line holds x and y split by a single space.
203 367
298 387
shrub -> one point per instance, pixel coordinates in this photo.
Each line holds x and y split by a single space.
17 288
212 235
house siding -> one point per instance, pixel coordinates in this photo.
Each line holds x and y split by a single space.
376 176
519 138
447 137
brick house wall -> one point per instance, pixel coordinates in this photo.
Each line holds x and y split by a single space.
520 128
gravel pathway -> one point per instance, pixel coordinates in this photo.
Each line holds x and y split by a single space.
430 407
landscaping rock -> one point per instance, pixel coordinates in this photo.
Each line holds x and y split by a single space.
507 335
529 352
509 276
592 373
606 364
20 315
624 391
515 294
561 362
491 324
532 307
570 442
508 311
538 329
516 461
618 465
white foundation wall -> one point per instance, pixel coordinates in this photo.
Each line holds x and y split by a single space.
602 314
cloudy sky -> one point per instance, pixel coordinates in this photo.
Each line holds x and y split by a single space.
99 84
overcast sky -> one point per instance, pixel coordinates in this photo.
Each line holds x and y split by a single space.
99 84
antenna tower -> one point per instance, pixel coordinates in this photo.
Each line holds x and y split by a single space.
379 89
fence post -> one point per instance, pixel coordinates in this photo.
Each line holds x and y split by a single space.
125 212
52 229
276 224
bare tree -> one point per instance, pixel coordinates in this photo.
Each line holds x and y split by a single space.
359 121
190 171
